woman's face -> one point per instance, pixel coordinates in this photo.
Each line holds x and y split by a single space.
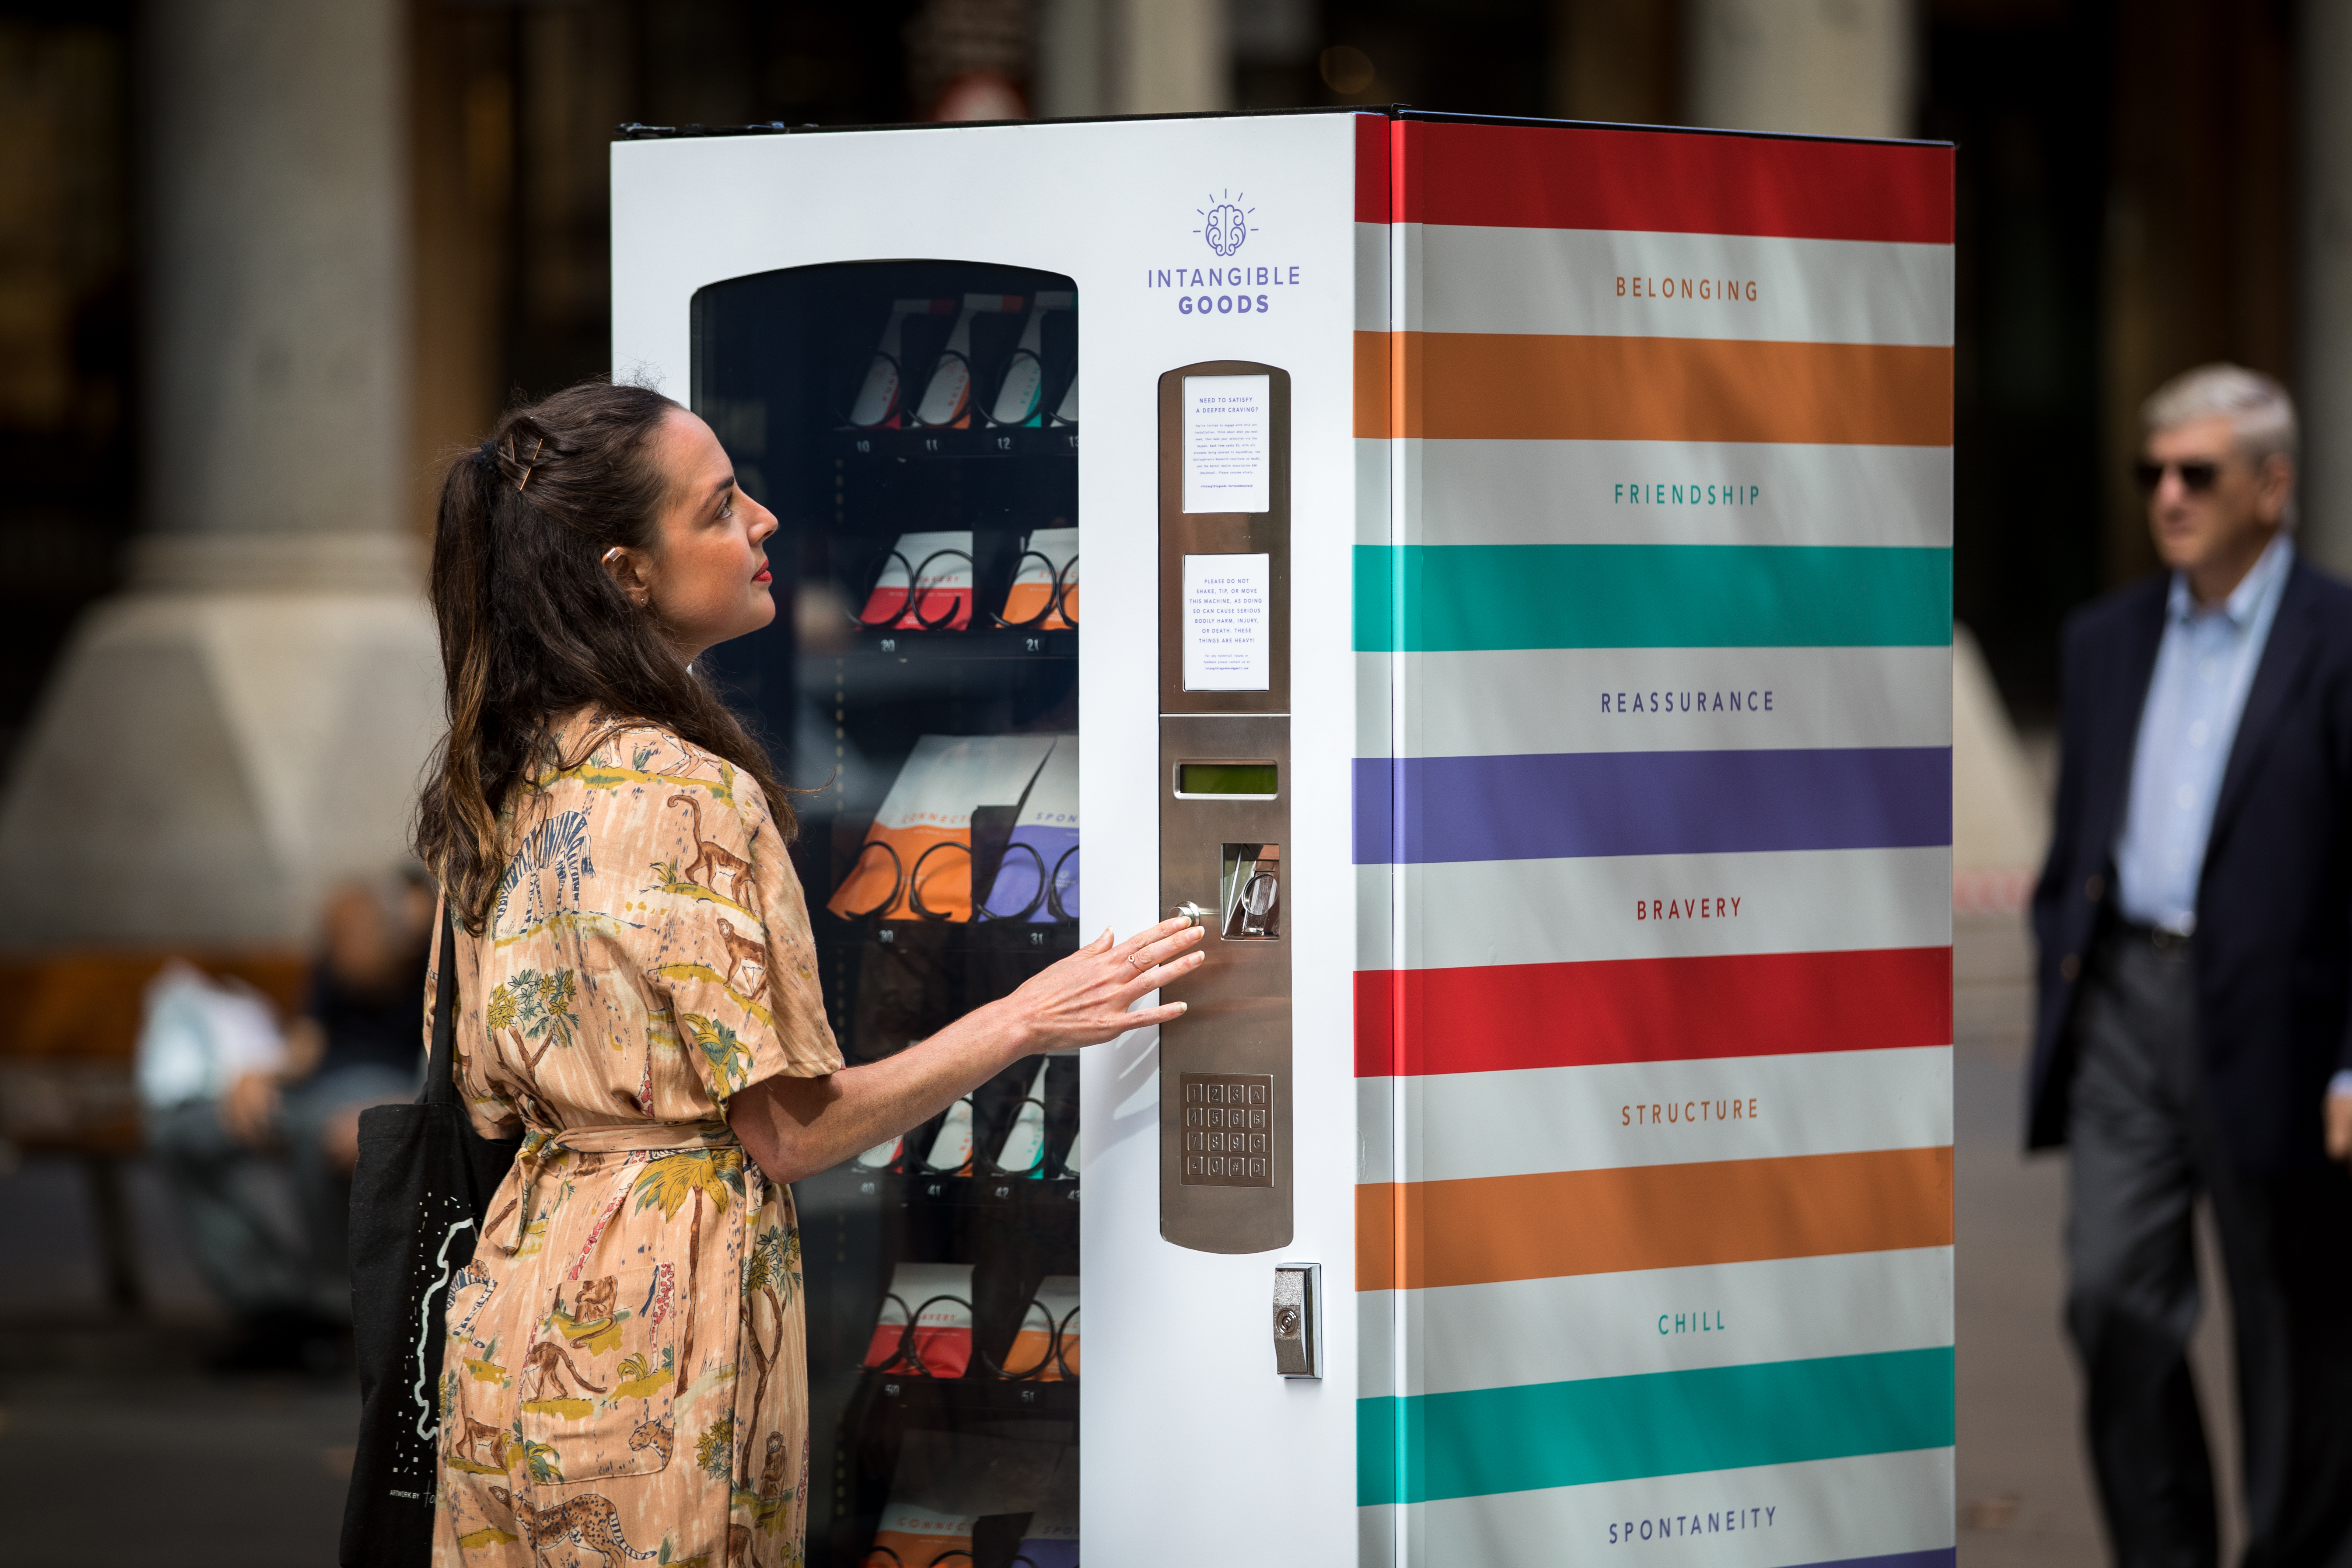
706 578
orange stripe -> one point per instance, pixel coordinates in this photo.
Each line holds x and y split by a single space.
1480 1231
1530 387
1374 418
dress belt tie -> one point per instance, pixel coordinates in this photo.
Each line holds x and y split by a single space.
544 1149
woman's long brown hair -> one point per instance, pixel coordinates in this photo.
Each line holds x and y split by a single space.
532 627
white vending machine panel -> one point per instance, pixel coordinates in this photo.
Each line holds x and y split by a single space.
1517 627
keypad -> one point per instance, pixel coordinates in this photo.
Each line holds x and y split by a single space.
1228 1129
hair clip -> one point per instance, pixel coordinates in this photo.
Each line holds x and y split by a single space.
527 468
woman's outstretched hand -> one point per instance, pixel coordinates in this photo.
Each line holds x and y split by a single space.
796 1127
1084 999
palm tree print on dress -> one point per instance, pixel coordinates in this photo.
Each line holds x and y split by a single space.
690 1176
531 1005
772 1274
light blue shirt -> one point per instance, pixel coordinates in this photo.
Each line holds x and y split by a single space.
2204 668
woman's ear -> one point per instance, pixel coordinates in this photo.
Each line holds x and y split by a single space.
630 573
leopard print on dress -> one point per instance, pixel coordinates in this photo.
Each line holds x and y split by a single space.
587 1521
659 1436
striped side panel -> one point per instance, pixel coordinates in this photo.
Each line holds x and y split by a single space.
1484 1441
1483 491
1544 177
1651 824
1469 598
1505 386
1672 1320
1532 1121
1504 1018
1501 702
1555 805
1874 1510
1553 1224
1489 914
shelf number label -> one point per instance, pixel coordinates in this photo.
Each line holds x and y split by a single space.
1004 443
866 445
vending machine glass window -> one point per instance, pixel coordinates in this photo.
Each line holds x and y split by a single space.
914 427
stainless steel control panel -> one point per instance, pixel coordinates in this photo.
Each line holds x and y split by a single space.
1224 807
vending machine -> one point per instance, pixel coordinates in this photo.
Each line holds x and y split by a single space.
1497 577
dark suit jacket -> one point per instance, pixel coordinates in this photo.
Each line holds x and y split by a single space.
2273 935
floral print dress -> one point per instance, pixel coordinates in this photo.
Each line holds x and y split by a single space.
625 1371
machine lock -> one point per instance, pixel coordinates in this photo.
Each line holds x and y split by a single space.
1298 1320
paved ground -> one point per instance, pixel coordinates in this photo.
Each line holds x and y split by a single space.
116 1449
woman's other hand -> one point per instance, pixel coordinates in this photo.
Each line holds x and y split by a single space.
1084 999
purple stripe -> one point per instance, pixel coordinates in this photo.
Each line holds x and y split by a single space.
1934 1557
1414 810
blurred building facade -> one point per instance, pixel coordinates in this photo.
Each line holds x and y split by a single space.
263 264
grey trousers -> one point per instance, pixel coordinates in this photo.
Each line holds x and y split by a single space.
267 1233
2143 1150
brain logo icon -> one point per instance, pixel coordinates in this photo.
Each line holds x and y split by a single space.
1226 228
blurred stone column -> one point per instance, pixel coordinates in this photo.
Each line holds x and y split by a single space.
2324 343
246 721
1133 56
1831 68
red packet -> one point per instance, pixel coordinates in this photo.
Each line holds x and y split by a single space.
939 1295
926 584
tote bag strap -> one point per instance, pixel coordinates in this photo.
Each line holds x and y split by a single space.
440 1068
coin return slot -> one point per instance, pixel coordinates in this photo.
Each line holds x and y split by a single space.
1252 886
1228 1129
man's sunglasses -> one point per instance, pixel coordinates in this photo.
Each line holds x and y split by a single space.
2195 477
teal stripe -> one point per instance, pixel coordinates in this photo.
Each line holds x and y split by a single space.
1657 1424
1438 598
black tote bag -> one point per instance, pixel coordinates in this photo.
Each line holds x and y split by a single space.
424 1181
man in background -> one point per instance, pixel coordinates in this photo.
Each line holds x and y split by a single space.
2195 930
356 1044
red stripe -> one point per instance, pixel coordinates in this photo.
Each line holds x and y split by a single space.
1411 1022
1511 176
1371 168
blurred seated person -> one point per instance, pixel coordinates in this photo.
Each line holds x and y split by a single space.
285 1276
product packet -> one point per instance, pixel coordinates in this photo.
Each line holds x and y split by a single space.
875 406
947 399
950 1487
1057 1298
930 802
942 1340
1043 845
1023 390
1032 584
940 601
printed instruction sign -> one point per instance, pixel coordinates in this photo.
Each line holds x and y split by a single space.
1228 433
1226 626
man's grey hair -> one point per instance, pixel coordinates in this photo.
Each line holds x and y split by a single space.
2259 412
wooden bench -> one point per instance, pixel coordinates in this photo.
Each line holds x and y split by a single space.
69 1036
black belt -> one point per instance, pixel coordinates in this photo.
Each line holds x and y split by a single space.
2158 937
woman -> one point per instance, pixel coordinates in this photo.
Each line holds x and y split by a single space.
638 998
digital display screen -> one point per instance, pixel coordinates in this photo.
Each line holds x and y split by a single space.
1226 778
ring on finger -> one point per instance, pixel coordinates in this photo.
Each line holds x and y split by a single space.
1137 965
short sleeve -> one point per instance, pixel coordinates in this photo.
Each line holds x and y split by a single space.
738 961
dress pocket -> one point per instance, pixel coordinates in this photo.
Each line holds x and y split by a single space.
596 1383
